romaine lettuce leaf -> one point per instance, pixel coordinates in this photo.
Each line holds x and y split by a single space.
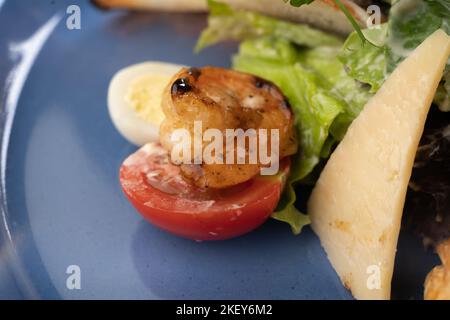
322 97
365 62
225 23
333 77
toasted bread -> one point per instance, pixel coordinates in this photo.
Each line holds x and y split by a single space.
437 283
157 5
322 14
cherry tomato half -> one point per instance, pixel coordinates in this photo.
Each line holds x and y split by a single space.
157 190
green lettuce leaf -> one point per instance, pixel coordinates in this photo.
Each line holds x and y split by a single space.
332 77
364 62
323 97
224 23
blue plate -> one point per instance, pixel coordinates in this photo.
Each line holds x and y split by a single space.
61 200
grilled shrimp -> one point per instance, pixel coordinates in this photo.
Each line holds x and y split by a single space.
225 99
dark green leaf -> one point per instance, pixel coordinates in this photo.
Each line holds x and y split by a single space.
298 3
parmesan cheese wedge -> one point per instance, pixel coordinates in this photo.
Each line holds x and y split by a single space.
357 203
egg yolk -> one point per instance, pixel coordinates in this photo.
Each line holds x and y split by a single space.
144 97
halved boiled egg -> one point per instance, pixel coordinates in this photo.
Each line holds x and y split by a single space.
134 100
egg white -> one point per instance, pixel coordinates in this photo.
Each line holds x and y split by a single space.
132 127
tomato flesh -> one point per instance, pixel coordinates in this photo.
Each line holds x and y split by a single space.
156 189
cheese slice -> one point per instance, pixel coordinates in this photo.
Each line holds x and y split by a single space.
357 203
